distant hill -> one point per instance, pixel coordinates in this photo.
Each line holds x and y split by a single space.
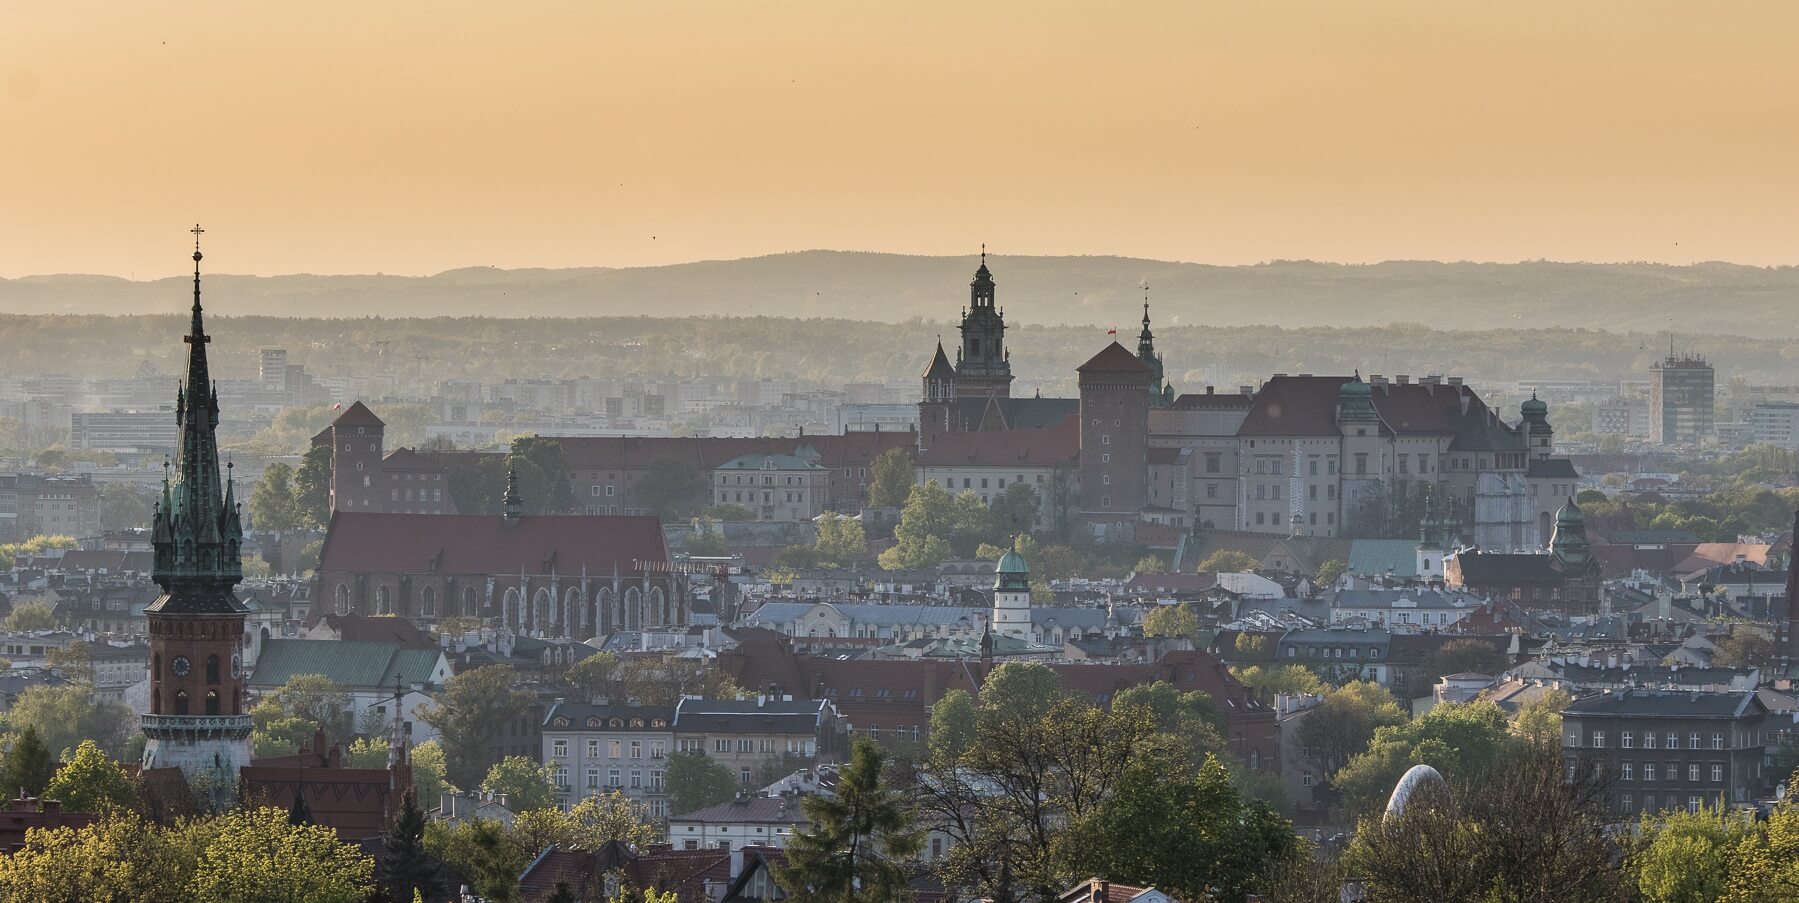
1711 298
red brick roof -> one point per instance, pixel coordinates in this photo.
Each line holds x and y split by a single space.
472 544
1114 358
1056 446
856 448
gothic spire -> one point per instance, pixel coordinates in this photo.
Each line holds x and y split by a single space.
197 560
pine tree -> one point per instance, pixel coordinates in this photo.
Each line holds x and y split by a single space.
860 841
405 866
28 765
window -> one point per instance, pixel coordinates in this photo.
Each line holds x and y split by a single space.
636 749
1649 739
636 778
1599 739
1648 775
593 749
1693 805
722 745
612 777
1717 774
1627 772
1692 772
593 778
655 749
1717 741
1361 462
1673 740
743 776
1693 740
559 749
1626 802
612 751
1105 439
1625 741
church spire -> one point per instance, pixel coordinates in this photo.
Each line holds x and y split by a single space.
198 563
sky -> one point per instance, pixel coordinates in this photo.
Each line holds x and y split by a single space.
414 137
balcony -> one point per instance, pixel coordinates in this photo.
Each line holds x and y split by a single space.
171 726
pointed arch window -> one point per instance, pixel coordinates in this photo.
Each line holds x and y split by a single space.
212 702
180 702
212 669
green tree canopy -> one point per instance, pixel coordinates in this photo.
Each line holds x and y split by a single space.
1459 740
474 706
525 784
952 725
695 781
1171 621
63 716
890 479
92 782
1228 561
256 856
272 502
29 766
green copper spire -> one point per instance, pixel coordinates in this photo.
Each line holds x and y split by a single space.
197 531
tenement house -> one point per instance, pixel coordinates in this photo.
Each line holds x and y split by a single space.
759 740
607 748
1667 750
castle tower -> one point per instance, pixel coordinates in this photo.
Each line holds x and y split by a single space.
355 439
1115 391
197 720
983 366
1430 538
1012 598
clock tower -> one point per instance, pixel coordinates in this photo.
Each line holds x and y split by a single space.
197 720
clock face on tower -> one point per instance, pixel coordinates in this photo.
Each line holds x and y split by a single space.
181 666
237 665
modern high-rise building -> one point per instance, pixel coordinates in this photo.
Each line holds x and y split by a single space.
1681 399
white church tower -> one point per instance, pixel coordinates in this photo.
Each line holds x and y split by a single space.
1012 598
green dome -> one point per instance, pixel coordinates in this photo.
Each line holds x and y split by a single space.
1570 514
1355 388
1534 406
1011 563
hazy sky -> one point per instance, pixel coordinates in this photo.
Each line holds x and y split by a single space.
413 137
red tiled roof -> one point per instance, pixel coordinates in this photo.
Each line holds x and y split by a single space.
358 414
1307 406
856 448
1114 358
1214 401
470 544
1055 446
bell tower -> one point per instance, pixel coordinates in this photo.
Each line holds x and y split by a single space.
983 365
197 720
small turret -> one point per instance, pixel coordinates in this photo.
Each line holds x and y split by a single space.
1569 541
513 503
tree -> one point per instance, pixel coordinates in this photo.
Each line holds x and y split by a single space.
311 489
1171 621
366 752
1208 843
1019 690
706 541
74 661
1280 680
272 504
890 479
279 735
121 857
32 615
1680 856
1765 868
1539 721
63 716
29 767
926 524
1250 645
92 782
313 699
1055 562
429 776
589 824
405 867
1191 719
674 487
124 506
1330 572
1341 725
543 476
595 677
1454 657
474 706
1150 564
841 540
1513 830
695 782
1743 648
1015 510
952 726
797 557
257 857
1460 741
1228 561
483 851
860 842
730 513
525 784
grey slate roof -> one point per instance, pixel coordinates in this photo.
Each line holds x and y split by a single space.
580 715
802 716
1425 599
1662 704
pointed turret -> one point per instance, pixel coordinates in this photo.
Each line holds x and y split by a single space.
1161 394
1569 541
197 562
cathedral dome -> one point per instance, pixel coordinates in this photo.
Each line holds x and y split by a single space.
1011 563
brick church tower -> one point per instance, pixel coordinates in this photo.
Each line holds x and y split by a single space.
197 720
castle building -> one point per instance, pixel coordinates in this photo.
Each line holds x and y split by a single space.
366 478
1115 397
197 720
1012 598
1565 578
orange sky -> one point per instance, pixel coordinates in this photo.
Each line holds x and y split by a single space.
413 137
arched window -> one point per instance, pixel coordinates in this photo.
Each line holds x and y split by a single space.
212 702
343 599
657 608
180 702
212 669
428 602
510 604
633 609
471 604
383 605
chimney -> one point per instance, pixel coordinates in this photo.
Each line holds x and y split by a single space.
1453 380
1403 379
1246 391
